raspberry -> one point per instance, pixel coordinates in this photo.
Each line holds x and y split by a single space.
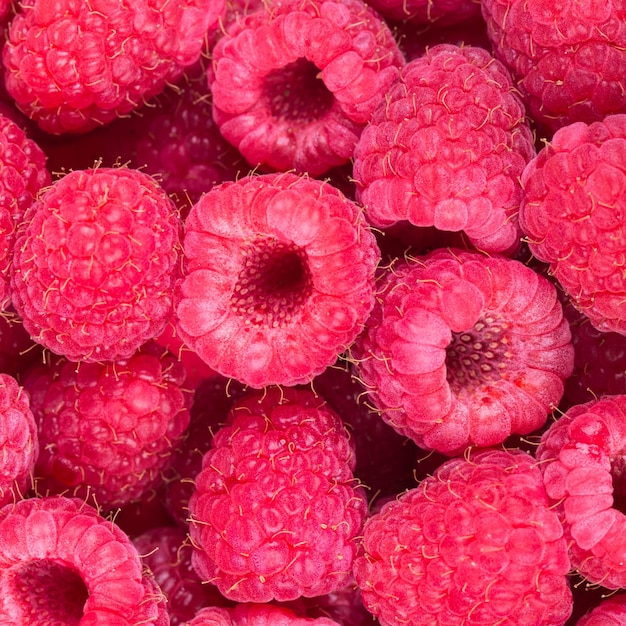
256 615
582 457
610 612
573 214
567 59
75 65
18 441
107 430
464 350
95 263
475 544
446 147
24 173
279 278
62 563
439 12
276 512
294 83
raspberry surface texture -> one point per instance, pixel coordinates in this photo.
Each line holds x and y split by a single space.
464 349
474 544
446 148
276 513
62 563
294 83
257 615
95 263
279 278
573 214
106 430
582 457
610 612
567 58
74 65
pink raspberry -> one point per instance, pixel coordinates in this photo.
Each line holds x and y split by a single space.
446 148
610 612
475 544
95 264
464 349
256 615
75 65
567 59
279 278
582 457
62 563
574 216
18 441
24 173
106 430
294 83
276 512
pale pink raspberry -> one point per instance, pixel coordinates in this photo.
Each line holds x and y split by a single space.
279 278
95 263
463 349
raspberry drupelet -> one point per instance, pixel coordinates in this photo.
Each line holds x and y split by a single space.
279 278
463 349
294 82
95 262
446 148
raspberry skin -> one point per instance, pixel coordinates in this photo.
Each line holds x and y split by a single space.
582 459
446 148
276 513
257 615
18 441
573 216
62 563
279 278
95 264
475 544
610 612
294 82
463 349
567 59
72 66
106 430
24 173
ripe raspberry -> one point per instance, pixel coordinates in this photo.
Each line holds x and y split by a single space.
294 83
24 173
610 612
582 457
464 350
18 441
106 430
256 615
75 65
62 563
279 278
95 263
446 148
476 544
276 512
567 59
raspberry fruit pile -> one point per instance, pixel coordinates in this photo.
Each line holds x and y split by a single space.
312 313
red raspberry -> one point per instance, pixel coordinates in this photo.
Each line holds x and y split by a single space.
610 612
568 59
256 615
476 544
279 278
294 83
106 430
75 65
95 263
446 148
276 512
18 441
464 349
582 457
62 563
24 173
574 215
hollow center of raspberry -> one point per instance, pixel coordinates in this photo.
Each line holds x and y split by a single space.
49 592
477 356
296 93
273 285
